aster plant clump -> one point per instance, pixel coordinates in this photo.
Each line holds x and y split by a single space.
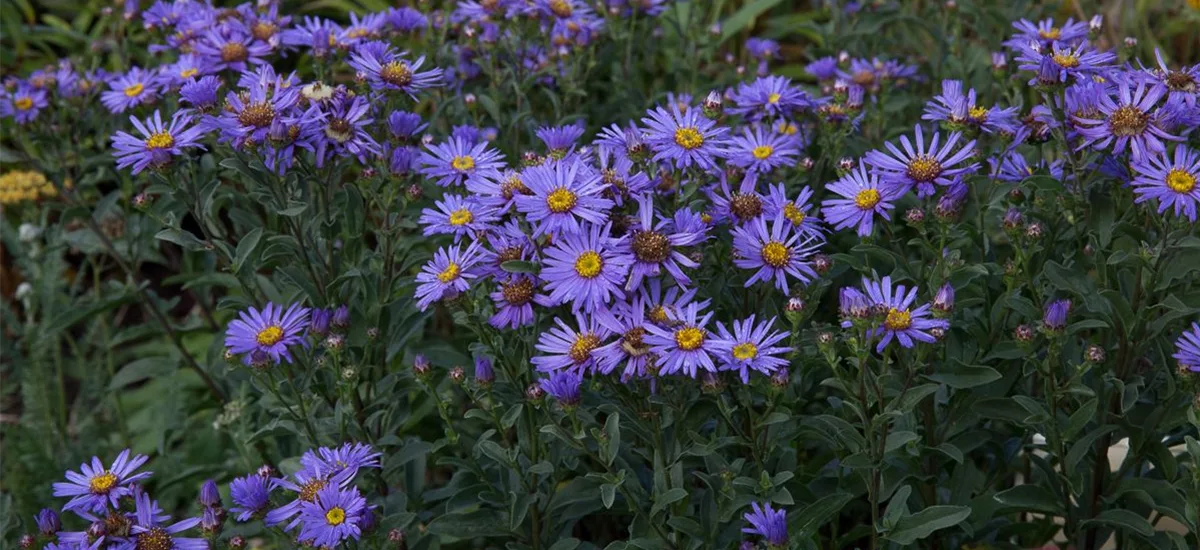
560 274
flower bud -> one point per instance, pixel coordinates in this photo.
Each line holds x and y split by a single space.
795 304
914 216
846 164
806 164
1055 318
397 539
373 333
265 471
335 341
421 366
1012 220
943 301
821 263
1034 230
237 542
1130 42
48 522
825 338
938 333
1016 195
781 377
209 495
458 375
712 105
369 172
484 374
414 192
710 382
1023 333
470 100
28 232
27 542
1094 354
341 316
999 62
535 393
715 29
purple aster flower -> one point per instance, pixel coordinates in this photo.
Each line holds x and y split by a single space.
389 70
774 252
762 48
768 523
230 46
249 115
402 161
406 19
1182 85
750 347
1055 318
335 515
484 374
201 93
130 90
686 138
1171 183
560 140
652 246
686 346
900 322
627 142
160 143
1045 32
744 205
922 166
48 522
457 160
564 387
513 300
768 97
1128 120
863 73
823 69
403 125
147 532
209 494
620 176
23 104
1061 62
629 321
186 69
97 487
1187 349
251 495
586 269
448 274
343 130
943 301
796 211
661 307
258 335
959 111
345 461
456 215
761 151
499 193
564 195
314 32
564 348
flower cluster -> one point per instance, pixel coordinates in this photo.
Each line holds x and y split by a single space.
21 186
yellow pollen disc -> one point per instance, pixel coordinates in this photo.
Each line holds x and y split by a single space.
924 168
689 338
103 483
1066 60
23 104
793 214
335 516
462 216
581 350
866 199
775 254
1053 33
978 113
897 319
658 314
135 90
561 200
561 8
396 73
689 137
588 264
744 351
462 164
188 73
1180 181
763 151
156 538
269 336
773 98
450 273
308 491
788 129
160 140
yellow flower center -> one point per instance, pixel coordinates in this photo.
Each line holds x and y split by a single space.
103 483
234 52
744 351
155 538
866 199
308 491
788 128
462 216
1128 120
450 273
689 338
978 113
1180 181
763 151
689 137
269 336
23 103
134 90
396 73
1053 33
160 140
581 350
561 8
1066 60
259 115
518 293
263 30
335 515
658 314
897 319
463 163
793 214
924 168
588 264
773 98
561 200
775 254
188 73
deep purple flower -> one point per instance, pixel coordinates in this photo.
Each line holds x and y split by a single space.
775 252
209 495
653 247
341 462
390 70
147 532
48 522
1055 318
565 348
943 301
1171 183
922 166
685 346
560 139
96 487
230 46
448 274
251 495
620 176
823 69
685 138
744 205
159 143
259 335
457 160
249 115
959 111
768 523
314 32
901 321
564 195
1182 85
343 130
130 90
1187 349
406 19
768 97
201 93
456 215
750 347
513 300
484 374
1061 62
23 104
760 151
1045 32
403 125
1128 120
334 515
796 211
762 48
628 321
585 269
564 386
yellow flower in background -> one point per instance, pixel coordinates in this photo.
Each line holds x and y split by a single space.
1195 4
20 186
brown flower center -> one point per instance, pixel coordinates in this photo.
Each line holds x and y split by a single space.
651 246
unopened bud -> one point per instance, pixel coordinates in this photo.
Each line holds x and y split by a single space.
414 192
1023 333
914 216
421 366
781 378
458 375
335 341
806 164
824 338
535 393
795 304
712 105
237 542
27 542
821 263
373 333
1034 230
1094 354
470 100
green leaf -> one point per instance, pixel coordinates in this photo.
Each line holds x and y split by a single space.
141 369
245 248
816 514
1122 519
460 525
565 544
922 524
1034 498
1083 447
519 266
180 237
898 439
612 432
744 17
960 376
608 493
668 498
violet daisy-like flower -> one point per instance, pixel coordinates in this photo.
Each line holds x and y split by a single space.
768 97
147 532
1045 32
230 46
750 347
775 252
346 460
23 104
513 300
95 487
456 215
662 307
390 70
741 206
1061 63
251 495
768 523
499 192
449 273
1170 182
1055 318
563 195
653 247
343 130
685 138
406 19
159 143
796 211
565 348
620 176
201 93
901 322
1128 120
1182 85
761 151
249 114
585 269
564 386
1187 349
130 90
458 160
685 346
628 142
403 125
267 334
628 321
958 110
560 140
333 516
186 69
922 166
823 69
